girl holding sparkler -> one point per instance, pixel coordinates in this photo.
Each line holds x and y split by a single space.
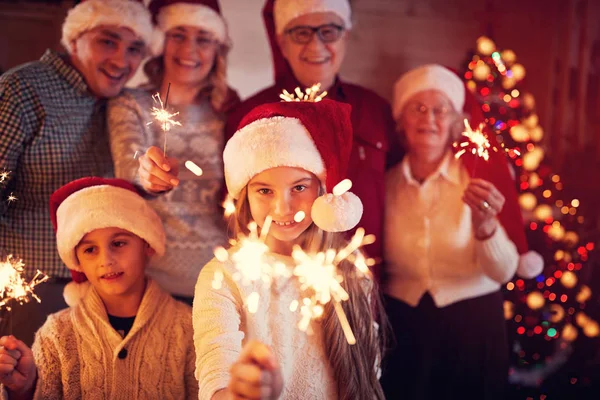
284 161
188 72
451 240
123 337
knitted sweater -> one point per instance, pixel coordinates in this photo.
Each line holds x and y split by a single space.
80 356
222 325
191 213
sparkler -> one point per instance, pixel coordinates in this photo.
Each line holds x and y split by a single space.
476 142
12 284
312 94
163 117
4 176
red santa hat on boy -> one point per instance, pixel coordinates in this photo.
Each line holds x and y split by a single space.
86 204
313 136
495 170
90 14
205 14
287 10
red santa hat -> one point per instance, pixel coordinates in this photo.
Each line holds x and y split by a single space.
287 10
86 204
316 137
90 14
495 170
205 14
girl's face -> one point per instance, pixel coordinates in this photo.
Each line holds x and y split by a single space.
427 120
281 193
189 55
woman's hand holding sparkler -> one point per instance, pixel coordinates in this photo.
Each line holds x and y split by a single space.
18 372
256 374
157 172
486 202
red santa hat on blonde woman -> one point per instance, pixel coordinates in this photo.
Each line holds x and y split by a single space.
316 137
495 170
287 10
86 204
90 14
205 14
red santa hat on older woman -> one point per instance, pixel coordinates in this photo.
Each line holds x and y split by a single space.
316 137
495 170
90 14
86 204
287 10
204 14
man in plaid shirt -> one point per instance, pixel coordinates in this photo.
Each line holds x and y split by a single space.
52 131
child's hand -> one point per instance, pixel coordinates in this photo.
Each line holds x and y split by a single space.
17 366
256 374
157 173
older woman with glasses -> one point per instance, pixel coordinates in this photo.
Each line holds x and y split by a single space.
446 253
190 65
308 41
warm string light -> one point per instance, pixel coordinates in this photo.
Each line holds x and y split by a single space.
13 287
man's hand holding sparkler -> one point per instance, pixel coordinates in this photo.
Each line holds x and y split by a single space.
486 202
157 172
18 372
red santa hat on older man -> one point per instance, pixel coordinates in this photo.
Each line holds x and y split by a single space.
90 14
313 136
495 170
287 10
204 14
86 204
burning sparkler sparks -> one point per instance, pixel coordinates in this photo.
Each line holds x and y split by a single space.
229 206
12 284
312 94
477 142
164 117
11 198
4 176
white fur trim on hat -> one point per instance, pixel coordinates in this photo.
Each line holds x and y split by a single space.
268 143
531 264
74 292
105 206
90 14
197 15
285 11
428 77
337 213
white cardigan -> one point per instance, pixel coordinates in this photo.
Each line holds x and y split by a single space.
222 325
429 240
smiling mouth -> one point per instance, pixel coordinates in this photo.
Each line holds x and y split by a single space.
111 275
187 63
316 61
427 131
115 78
285 223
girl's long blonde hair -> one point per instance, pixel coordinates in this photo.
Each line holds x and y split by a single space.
217 77
354 366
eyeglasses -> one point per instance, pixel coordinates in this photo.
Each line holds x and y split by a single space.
328 33
419 110
202 41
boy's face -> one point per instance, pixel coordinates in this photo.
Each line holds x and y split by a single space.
114 261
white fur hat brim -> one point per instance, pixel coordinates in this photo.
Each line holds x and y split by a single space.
91 14
285 11
186 14
269 143
105 206
428 77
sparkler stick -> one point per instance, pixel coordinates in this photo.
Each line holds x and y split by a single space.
163 117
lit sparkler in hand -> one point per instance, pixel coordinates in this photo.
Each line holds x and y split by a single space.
476 142
164 117
12 284
312 94
321 280
251 263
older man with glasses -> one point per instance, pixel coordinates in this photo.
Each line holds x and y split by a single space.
308 41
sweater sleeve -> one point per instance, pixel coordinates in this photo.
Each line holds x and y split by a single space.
497 256
191 383
45 353
217 316
126 129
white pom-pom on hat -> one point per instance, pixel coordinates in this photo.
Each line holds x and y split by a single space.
531 264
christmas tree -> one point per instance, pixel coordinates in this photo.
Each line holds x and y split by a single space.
547 315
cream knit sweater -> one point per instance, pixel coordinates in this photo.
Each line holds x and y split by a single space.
222 324
80 356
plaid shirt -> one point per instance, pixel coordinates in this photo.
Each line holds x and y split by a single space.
52 131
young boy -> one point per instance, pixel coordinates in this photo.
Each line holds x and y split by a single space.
123 337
